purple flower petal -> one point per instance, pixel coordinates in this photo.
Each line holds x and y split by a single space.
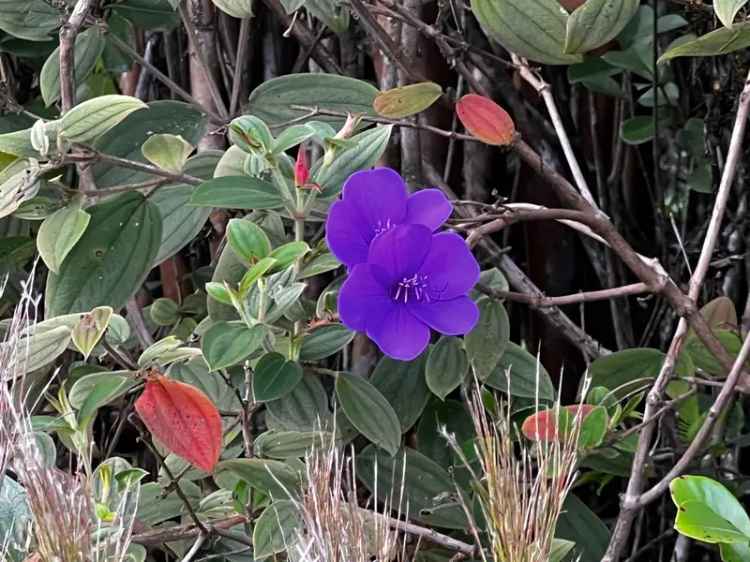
401 251
345 236
450 267
429 207
360 297
398 333
452 317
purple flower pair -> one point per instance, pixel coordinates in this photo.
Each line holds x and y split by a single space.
403 277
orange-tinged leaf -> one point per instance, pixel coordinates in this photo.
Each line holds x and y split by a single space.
183 419
486 120
542 426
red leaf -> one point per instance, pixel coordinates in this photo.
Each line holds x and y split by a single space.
542 426
183 419
486 120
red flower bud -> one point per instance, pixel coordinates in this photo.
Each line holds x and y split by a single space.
301 168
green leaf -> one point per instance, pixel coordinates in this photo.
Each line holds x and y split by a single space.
59 233
369 411
164 312
33 20
182 222
407 100
292 136
289 444
125 140
18 143
255 273
321 263
579 524
447 366
90 329
15 516
594 428
274 100
251 134
237 192
534 29
276 529
275 377
89 45
719 42
111 260
91 119
41 349
273 477
560 549
229 343
707 511
248 240
726 10
303 409
149 14
288 253
524 371
402 383
637 130
424 484
486 343
91 392
168 152
324 341
363 151
631 368
704 359
734 552
235 8
597 22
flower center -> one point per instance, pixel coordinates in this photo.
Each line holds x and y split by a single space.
383 226
413 288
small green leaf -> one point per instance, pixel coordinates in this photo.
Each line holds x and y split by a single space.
248 240
288 253
638 130
59 233
229 343
407 100
275 377
593 428
90 329
273 477
91 392
324 341
168 152
486 343
289 444
255 273
251 134
402 383
237 192
91 119
369 411
164 312
447 366
528 377
291 137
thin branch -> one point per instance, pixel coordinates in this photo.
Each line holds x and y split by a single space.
91 155
544 301
136 316
429 534
68 33
243 44
158 537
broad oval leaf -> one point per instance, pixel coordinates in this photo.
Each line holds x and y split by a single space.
534 29
91 119
33 20
486 343
274 377
248 240
229 343
59 233
528 377
90 329
447 366
272 477
369 411
111 259
303 409
88 46
402 383
324 341
637 130
125 140
289 444
486 120
274 100
719 42
276 530
405 101
597 22
183 419
41 348
168 152
91 392
428 489
237 192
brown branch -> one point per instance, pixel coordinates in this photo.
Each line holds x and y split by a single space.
545 302
91 155
158 537
68 33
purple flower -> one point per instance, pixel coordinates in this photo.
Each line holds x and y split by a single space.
413 280
373 202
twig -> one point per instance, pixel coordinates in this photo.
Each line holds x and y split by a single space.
158 537
68 33
195 548
543 302
163 78
92 155
141 331
633 500
243 43
429 534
